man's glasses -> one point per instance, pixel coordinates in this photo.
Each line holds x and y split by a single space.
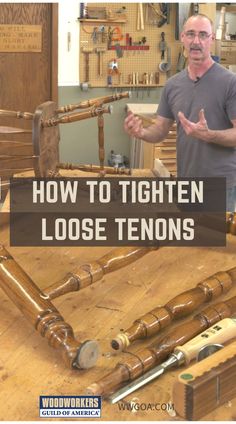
202 35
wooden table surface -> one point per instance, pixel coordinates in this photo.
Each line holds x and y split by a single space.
30 368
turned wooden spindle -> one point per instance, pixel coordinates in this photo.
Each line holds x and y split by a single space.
140 362
14 130
95 168
90 273
17 114
46 319
91 102
231 223
101 150
74 117
181 305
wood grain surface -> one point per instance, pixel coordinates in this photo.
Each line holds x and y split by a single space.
30 368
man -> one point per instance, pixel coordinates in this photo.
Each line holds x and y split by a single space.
202 101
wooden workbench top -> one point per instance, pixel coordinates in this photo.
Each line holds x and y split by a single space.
30 368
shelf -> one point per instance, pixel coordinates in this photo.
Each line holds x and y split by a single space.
228 8
134 86
102 21
138 48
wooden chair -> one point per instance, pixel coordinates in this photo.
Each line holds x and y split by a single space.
40 153
35 144
16 149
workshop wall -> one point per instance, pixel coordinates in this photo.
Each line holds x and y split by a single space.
74 137
79 140
68 43
126 42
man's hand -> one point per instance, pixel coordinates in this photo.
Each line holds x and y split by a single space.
199 129
133 126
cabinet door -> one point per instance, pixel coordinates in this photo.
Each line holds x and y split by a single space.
28 78
28 74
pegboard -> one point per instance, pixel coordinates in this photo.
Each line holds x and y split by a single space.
139 64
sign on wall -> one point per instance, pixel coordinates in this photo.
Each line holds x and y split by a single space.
20 38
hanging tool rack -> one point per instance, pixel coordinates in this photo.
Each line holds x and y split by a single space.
129 35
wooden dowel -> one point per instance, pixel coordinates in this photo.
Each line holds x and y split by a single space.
101 150
66 119
95 168
90 273
18 115
138 18
141 16
96 101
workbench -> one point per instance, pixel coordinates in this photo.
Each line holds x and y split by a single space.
30 368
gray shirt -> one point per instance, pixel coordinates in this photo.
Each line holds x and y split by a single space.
215 92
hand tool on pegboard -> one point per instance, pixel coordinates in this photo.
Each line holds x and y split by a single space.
162 13
116 34
182 14
121 12
83 11
68 40
109 37
221 26
165 65
100 51
181 60
165 10
146 13
87 51
195 8
119 51
143 42
140 20
162 45
113 70
102 33
94 35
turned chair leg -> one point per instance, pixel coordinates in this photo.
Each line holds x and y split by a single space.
38 309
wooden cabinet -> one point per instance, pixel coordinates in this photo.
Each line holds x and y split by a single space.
28 72
164 151
143 154
226 50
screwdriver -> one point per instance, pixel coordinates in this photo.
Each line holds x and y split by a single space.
221 332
